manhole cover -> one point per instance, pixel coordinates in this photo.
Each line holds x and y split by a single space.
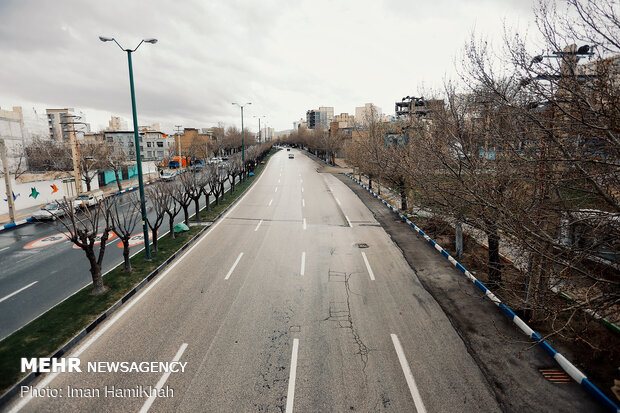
555 375
362 245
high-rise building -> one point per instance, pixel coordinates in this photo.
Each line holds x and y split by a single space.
11 130
320 117
63 123
345 120
367 112
116 123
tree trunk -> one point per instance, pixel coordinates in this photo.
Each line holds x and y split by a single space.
118 179
95 272
186 213
154 237
171 223
403 198
207 201
458 242
495 263
126 254
370 181
197 205
87 184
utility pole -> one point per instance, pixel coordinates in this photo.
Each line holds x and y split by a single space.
75 150
7 181
179 144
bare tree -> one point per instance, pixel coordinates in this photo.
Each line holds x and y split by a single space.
182 195
169 204
48 155
83 230
125 214
158 200
92 158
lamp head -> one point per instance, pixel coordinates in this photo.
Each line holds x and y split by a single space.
152 41
106 39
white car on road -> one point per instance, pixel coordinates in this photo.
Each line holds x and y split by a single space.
51 211
88 200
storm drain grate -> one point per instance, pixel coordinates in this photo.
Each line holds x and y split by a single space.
362 245
555 375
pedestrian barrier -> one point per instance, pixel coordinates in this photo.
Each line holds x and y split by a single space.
566 365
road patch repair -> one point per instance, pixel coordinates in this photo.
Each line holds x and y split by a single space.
510 364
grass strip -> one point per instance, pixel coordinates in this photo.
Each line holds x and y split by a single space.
50 331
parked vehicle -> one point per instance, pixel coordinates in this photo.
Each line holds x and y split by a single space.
168 175
50 211
88 200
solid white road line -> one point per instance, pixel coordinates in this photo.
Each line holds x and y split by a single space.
305 223
233 267
291 379
303 203
50 377
372 276
276 189
17 292
3 249
303 263
259 222
348 221
145 408
338 201
270 202
417 400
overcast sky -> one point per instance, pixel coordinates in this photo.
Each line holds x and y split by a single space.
284 56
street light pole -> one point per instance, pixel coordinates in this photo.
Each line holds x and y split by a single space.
136 136
242 136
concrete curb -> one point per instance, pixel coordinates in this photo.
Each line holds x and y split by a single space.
9 394
17 223
566 365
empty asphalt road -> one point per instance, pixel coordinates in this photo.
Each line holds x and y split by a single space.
40 267
277 308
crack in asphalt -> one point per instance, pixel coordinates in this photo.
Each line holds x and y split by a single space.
338 314
363 350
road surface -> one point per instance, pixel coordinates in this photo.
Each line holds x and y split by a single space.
276 308
40 268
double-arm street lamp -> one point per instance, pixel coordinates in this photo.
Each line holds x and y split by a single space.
145 227
242 134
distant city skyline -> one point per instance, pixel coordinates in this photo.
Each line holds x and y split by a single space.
212 54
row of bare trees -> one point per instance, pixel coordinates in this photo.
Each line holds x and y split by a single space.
48 155
525 149
91 228
321 142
